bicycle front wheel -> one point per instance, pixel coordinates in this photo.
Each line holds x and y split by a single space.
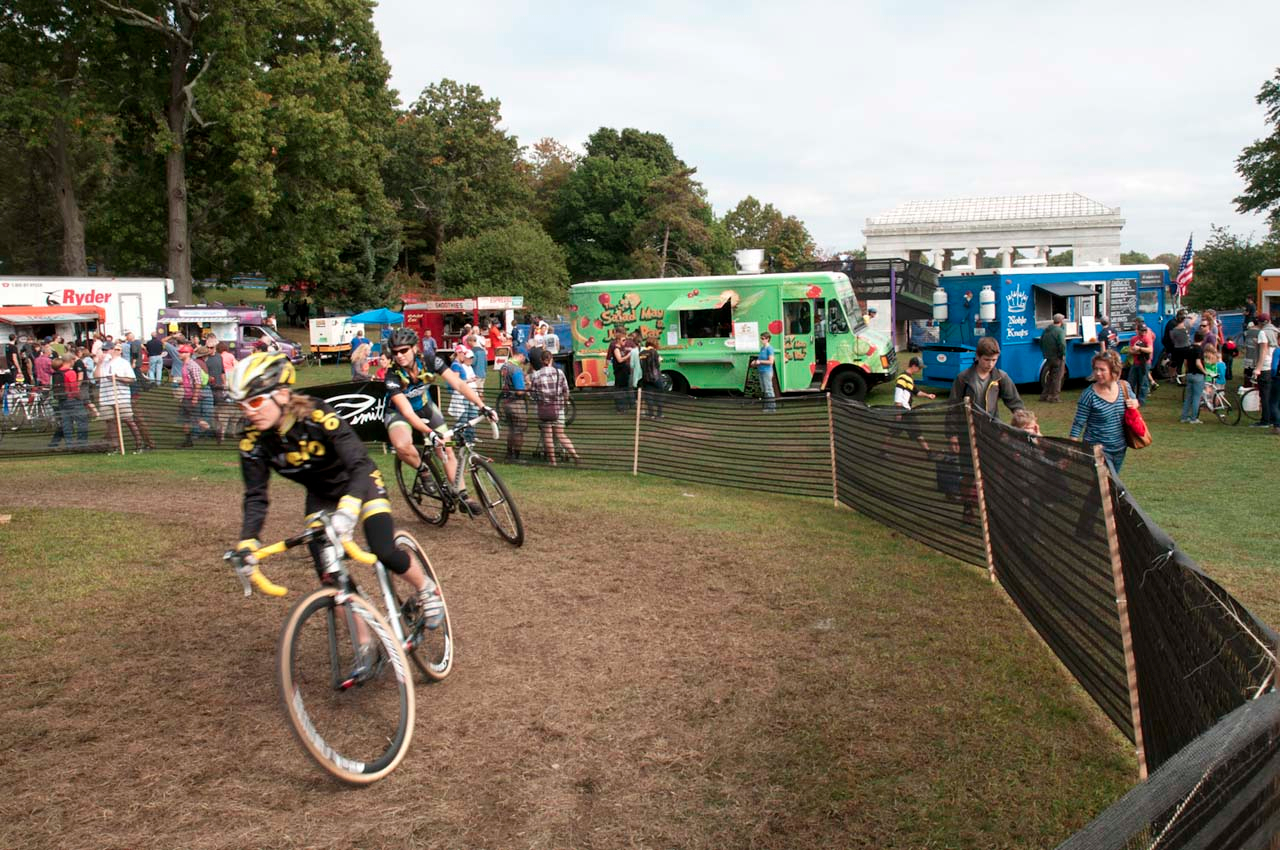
431 650
351 709
497 502
423 489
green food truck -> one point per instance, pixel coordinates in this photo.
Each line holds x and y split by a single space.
708 329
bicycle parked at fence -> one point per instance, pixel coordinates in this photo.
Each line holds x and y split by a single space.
341 664
26 406
433 497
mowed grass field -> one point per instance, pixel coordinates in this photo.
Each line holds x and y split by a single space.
663 664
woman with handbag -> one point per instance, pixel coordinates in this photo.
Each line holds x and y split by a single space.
1101 412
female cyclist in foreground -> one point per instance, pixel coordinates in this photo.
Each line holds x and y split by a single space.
410 409
307 442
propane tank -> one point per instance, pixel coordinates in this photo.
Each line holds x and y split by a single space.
987 304
939 305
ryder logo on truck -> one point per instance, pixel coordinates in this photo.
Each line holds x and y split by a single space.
71 298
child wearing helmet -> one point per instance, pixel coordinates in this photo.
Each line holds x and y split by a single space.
306 441
409 407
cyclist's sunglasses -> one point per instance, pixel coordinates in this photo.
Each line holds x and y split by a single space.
398 351
255 402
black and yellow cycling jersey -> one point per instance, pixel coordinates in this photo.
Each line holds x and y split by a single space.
316 449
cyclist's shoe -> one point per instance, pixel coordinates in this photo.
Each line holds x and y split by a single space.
471 504
431 604
366 661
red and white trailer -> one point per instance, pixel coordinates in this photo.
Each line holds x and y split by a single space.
445 318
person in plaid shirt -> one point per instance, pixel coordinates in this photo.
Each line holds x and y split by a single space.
549 387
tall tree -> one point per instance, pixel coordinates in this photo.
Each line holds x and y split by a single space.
519 259
1259 163
785 239
1227 269
626 197
52 106
186 35
453 169
550 164
673 204
1134 258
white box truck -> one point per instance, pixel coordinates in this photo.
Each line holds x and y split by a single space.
62 306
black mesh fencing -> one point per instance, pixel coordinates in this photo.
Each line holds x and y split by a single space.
149 416
911 471
1052 555
1198 653
1220 791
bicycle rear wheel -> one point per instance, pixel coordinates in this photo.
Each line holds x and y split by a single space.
355 721
497 502
424 489
1254 415
431 650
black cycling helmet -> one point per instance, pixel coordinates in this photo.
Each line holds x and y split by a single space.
401 337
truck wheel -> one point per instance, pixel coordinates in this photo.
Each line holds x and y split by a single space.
849 386
673 382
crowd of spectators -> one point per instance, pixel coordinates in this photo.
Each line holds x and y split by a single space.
101 377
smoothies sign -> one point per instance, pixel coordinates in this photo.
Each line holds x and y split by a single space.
1017 324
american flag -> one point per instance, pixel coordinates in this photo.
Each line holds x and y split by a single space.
1186 269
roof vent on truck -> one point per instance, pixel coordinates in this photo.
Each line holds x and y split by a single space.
749 260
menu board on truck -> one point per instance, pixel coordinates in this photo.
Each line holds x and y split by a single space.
1122 303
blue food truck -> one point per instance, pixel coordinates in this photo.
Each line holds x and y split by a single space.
1015 305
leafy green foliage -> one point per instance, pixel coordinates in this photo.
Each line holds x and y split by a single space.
1134 258
548 166
632 208
518 259
1259 162
785 239
1227 268
453 171
1062 258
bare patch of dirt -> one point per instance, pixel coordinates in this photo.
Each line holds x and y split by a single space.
625 690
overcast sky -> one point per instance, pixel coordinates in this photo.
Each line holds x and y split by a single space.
836 111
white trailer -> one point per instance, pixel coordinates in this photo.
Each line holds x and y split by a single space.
112 305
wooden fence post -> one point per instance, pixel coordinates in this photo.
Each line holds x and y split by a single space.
635 454
977 486
1122 604
831 431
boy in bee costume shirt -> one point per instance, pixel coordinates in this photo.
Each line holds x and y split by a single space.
307 442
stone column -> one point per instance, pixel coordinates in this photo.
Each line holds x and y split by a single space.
1007 254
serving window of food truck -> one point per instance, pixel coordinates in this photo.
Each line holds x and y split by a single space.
704 316
1075 301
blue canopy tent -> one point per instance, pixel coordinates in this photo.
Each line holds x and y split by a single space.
380 316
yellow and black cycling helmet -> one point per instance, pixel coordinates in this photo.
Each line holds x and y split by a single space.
260 373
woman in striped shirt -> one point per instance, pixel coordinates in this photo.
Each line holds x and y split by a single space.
1100 411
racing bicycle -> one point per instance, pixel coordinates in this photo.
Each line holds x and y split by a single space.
433 497
27 406
342 665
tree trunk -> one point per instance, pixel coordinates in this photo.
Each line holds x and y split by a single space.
74 262
175 172
666 236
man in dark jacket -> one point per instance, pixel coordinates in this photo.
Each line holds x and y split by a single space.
1053 345
986 385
